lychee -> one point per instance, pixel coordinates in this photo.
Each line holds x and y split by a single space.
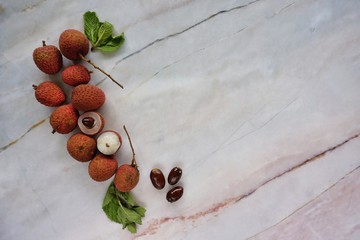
75 74
49 94
91 123
87 97
48 58
64 119
126 178
81 147
73 44
109 142
102 167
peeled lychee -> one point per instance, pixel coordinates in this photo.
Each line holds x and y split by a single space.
75 74
49 94
48 58
108 142
87 97
81 147
126 178
64 119
91 123
102 167
73 44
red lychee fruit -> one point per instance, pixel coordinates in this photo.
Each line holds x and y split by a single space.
87 97
48 58
81 147
64 119
49 94
73 44
102 167
126 178
75 74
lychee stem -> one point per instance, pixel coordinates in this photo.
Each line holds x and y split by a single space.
34 86
101 70
133 161
43 42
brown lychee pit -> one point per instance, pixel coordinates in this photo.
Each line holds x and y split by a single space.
90 123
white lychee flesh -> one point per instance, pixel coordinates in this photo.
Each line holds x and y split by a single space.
97 126
109 142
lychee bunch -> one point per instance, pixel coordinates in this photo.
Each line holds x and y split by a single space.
90 144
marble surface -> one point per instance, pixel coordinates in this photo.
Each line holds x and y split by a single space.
257 101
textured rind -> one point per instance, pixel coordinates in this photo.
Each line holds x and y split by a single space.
75 74
48 59
72 43
126 178
81 147
102 168
64 119
49 94
87 97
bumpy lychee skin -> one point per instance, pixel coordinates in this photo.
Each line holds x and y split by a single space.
64 119
87 97
72 43
102 168
49 94
75 74
48 58
126 178
81 147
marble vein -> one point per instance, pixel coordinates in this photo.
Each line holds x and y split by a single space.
23 135
215 208
185 30
196 51
262 126
284 8
308 203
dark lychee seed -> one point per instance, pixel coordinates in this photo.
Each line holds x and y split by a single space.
88 122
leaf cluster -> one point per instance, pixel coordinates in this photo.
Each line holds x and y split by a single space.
100 34
121 208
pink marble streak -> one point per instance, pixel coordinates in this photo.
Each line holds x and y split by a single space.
324 217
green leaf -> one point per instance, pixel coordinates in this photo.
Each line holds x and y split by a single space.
113 44
121 208
91 26
131 227
140 210
104 34
129 214
129 199
100 33
111 211
109 196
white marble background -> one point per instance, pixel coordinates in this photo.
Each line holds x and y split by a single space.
257 101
